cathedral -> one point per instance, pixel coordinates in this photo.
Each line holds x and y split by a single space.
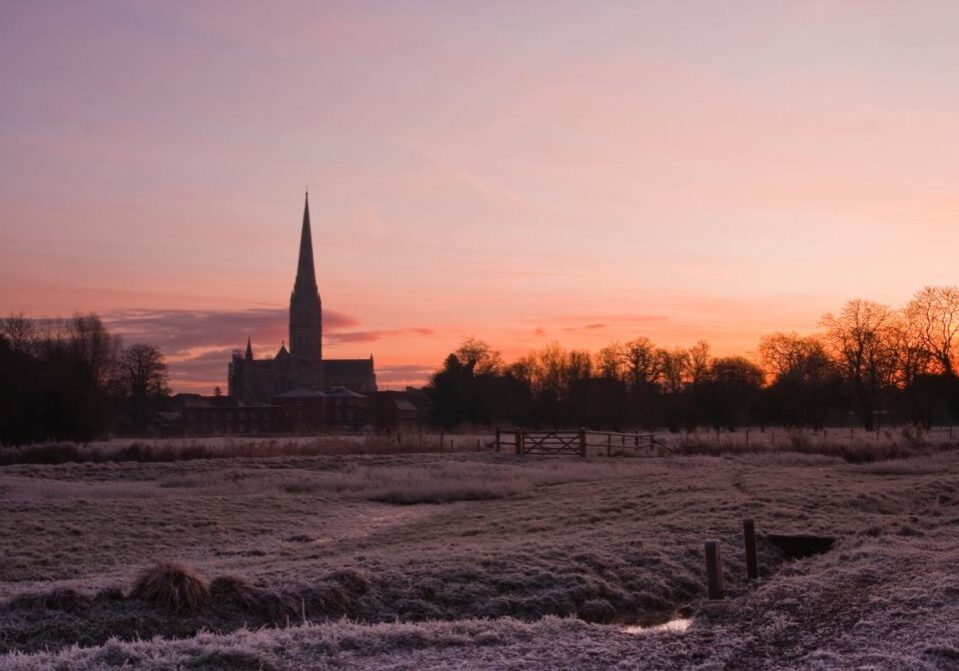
301 367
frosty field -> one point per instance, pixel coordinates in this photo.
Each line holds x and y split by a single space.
481 561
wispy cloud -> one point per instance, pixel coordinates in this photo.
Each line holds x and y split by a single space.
587 327
402 375
373 336
198 344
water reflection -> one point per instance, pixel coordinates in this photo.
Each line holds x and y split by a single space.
679 624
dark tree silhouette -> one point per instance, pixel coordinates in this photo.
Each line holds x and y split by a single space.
729 394
862 340
806 384
142 378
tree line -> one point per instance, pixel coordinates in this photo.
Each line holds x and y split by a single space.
870 363
72 380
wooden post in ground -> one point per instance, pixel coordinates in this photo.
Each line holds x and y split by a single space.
497 439
609 444
582 442
442 438
519 441
749 540
714 571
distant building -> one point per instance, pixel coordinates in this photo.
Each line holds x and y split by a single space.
302 367
332 409
394 410
215 415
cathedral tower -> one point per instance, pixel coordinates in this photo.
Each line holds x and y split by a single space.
306 324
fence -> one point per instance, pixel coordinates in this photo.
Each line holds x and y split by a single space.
576 442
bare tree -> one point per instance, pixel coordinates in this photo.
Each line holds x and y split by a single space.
862 340
142 372
933 314
699 362
675 369
19 332
94 346
609 361
478 357
789 354
641 363
805 380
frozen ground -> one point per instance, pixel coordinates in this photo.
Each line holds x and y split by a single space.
481 561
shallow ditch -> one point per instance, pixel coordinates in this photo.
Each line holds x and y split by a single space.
790 546
64 617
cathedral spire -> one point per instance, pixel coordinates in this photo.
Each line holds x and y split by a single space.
305 272
249 348
306 321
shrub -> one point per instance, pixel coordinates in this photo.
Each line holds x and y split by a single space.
171 585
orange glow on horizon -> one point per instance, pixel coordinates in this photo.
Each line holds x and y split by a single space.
519 172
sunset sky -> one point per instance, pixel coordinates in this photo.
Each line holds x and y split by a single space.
519 171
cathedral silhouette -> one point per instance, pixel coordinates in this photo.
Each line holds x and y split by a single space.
302 367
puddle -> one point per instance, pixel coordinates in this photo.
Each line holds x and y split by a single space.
679 624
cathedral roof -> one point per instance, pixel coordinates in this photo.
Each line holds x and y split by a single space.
301 393
347 366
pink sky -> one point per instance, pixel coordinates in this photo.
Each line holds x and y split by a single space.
518 171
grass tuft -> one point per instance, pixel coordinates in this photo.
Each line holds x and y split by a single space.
173 586
234 590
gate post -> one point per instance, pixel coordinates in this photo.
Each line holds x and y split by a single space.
749 542
714 572
519 441
582 442
497 439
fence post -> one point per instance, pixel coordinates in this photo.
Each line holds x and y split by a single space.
442 438
714 571
519 441
582 442
609 444
497 439
749 541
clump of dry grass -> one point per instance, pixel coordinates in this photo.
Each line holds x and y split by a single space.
171 585
234 589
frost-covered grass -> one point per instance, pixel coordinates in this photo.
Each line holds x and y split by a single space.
486 561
